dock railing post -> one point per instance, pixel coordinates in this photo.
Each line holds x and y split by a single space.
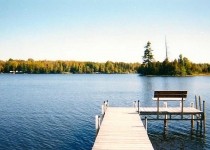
200 103
145 123
192 117
107 103
197 116
99 122
196 102
204 117
96 123
201 116
102 109
165 122
165 104
182 105
198 124
158 107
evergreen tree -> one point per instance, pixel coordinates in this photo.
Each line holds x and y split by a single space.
148 60
148 56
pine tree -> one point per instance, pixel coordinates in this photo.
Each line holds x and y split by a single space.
148 67
148 56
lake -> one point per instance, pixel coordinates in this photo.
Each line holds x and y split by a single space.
58 111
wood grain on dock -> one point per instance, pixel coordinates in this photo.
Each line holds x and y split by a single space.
122 129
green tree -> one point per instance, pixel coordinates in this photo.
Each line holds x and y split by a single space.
148 66
188 66
2 65
182 69
148 56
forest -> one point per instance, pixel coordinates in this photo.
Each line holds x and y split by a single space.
31 66
178 67
181 66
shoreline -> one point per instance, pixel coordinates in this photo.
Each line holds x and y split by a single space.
195 75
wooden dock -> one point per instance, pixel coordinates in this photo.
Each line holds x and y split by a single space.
169 111
192 113
122 129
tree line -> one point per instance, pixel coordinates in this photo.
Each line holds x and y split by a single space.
31 66
179 67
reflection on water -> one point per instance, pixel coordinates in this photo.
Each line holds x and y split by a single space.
57 111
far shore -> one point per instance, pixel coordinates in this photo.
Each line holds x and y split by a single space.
194 75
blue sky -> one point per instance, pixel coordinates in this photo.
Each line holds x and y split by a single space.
101 30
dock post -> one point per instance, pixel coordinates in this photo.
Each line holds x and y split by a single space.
145 123
199 103
196 102
201 116
165 122
201 126
99 122
102 109
158 107
134 104
204 117
166 116
96 123
198 124
138 106
105 106
196 106
182 107
192 117
107 103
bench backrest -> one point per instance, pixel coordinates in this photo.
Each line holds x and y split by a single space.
170 94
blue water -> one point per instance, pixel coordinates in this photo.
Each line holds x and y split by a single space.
58 111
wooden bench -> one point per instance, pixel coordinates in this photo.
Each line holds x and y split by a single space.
170 96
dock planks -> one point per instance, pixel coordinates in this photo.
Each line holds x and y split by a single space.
122 129
169 110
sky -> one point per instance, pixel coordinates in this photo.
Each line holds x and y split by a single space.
102 30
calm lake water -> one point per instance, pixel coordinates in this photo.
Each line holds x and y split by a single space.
58 111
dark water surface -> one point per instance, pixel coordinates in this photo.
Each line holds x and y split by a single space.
58 111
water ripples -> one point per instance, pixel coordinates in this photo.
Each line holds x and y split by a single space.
58 111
